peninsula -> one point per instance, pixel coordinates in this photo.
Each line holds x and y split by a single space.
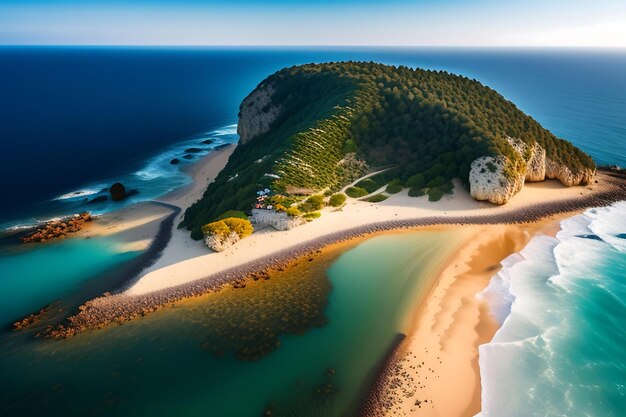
406 148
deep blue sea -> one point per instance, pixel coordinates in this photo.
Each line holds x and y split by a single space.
75 120
79 118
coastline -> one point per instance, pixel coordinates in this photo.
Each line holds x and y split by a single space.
129 304
435 370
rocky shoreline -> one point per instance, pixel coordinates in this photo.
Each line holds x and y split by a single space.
57 229
118 308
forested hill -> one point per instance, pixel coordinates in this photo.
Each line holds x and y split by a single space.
305 128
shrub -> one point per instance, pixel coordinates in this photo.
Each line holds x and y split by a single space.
277 199
394 186
356 192
224 227
313 203
337 200
293 211
240 226
232 213
377 198
368 184
416 192
312 216
434 194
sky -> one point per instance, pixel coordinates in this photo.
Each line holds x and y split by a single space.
599 23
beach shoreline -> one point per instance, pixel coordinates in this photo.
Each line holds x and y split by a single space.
435 370
127 305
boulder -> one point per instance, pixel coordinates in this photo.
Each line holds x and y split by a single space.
219 243
118 191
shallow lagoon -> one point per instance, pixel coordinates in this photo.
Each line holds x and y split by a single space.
165 364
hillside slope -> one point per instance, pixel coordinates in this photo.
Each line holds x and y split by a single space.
311 127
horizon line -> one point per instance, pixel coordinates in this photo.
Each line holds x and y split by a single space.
314 46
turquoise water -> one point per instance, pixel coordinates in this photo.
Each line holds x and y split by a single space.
32 278
156 366
562 348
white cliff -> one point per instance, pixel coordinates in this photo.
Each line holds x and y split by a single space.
490 181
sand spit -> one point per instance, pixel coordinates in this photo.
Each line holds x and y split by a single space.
118 308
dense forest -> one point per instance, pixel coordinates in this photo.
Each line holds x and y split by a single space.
428 126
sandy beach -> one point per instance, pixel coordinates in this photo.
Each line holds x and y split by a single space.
435 367
435 370
185 260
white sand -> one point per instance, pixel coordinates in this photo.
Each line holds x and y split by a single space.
185 260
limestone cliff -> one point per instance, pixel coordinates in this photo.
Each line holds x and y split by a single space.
496 180
256 114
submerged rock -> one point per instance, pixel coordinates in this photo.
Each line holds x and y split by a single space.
99 199
208 141
175 161
193 150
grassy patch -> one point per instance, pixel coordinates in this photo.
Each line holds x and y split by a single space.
356 192
377 198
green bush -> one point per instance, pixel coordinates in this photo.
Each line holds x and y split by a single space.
337 200
232 213
416 192
224 227
313 203
434 194
356 192
368 184
293 212
312 216
394 186
377 198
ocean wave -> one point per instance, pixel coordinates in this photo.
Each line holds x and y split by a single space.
81 193
155 178
561 348
226 130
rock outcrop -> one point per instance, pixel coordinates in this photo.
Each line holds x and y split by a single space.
256 114
58 228
490 180
566 176
220 243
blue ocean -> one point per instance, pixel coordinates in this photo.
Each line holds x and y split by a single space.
75 120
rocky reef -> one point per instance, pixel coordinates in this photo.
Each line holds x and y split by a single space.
58 228
498 178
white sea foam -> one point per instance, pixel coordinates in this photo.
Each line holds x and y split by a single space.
556 301
81 193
